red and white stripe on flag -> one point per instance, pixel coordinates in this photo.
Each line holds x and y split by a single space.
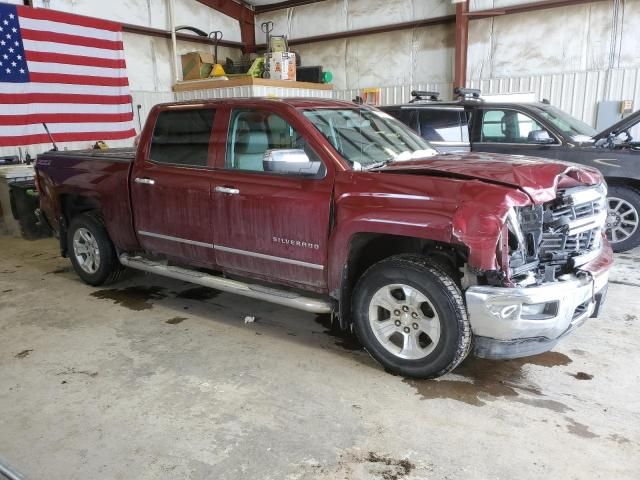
65 70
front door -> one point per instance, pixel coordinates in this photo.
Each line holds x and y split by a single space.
276 225
509 131
171 187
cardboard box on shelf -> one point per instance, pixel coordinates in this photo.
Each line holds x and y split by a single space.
282 66
196 65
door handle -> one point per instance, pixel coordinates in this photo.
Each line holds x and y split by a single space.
228 190
145 181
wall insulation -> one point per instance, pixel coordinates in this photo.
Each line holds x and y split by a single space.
149 62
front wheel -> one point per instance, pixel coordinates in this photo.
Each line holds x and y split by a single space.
91 251
623 218
410 316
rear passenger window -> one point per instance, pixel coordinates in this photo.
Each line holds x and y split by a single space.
443 126
408 116
181 137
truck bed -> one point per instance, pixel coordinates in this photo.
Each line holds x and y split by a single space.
112 154
100 178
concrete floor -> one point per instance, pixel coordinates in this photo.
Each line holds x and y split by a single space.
156 379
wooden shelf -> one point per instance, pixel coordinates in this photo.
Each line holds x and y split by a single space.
207 83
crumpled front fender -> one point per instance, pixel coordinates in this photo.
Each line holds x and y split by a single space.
478 221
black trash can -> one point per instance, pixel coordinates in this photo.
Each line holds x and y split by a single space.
24 201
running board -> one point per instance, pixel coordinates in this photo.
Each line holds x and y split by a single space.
281 297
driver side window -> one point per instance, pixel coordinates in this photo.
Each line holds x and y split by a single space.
252 133
509 126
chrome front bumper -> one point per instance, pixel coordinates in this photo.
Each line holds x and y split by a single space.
504 326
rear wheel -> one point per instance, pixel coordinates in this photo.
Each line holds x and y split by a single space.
91 251
411 318
623 219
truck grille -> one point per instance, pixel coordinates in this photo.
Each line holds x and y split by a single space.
573 224
560 242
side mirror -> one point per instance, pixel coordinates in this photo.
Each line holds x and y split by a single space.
540 137
290 161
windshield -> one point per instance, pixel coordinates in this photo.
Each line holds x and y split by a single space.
368 138
570 126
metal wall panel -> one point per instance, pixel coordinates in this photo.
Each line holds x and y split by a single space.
253 91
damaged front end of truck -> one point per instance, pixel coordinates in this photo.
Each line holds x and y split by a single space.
547 271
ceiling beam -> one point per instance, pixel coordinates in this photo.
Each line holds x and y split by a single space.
526 7
372 30
244 15
156 32
283 5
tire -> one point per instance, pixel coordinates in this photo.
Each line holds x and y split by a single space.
434 317
100 265
623 221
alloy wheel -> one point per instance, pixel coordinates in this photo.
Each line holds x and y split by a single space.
86 251
404 321
622 220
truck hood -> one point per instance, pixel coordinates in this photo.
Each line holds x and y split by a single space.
627 122
537 177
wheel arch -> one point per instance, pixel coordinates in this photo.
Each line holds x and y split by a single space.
365 249
623 182
72 205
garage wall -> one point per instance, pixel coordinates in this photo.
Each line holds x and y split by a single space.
384 59
575 56
593 36
149 58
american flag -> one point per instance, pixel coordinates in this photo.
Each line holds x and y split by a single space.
65 70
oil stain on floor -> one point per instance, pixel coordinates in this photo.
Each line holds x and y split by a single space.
198 293
176 320
346 340
134 298
486 380
59 271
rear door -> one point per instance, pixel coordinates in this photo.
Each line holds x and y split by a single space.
511 131
446 128
171 186
271 225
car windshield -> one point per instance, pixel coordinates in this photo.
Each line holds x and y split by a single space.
367 138
570 126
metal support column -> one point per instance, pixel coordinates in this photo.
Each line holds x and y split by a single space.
462 44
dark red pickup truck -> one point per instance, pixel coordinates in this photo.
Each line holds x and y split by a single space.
334 207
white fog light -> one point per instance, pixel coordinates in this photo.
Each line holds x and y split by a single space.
539 311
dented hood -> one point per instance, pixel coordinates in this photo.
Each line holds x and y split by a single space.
537 177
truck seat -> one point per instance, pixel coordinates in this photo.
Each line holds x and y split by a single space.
249 149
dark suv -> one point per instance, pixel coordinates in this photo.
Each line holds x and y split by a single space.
542 130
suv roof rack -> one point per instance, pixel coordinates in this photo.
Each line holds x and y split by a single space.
419 95
467 93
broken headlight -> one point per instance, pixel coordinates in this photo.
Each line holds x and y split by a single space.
519 241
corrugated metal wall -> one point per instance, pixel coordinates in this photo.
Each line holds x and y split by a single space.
256 91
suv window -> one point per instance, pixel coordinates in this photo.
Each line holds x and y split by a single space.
507 126
443 125
181 137
253 132
408 116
